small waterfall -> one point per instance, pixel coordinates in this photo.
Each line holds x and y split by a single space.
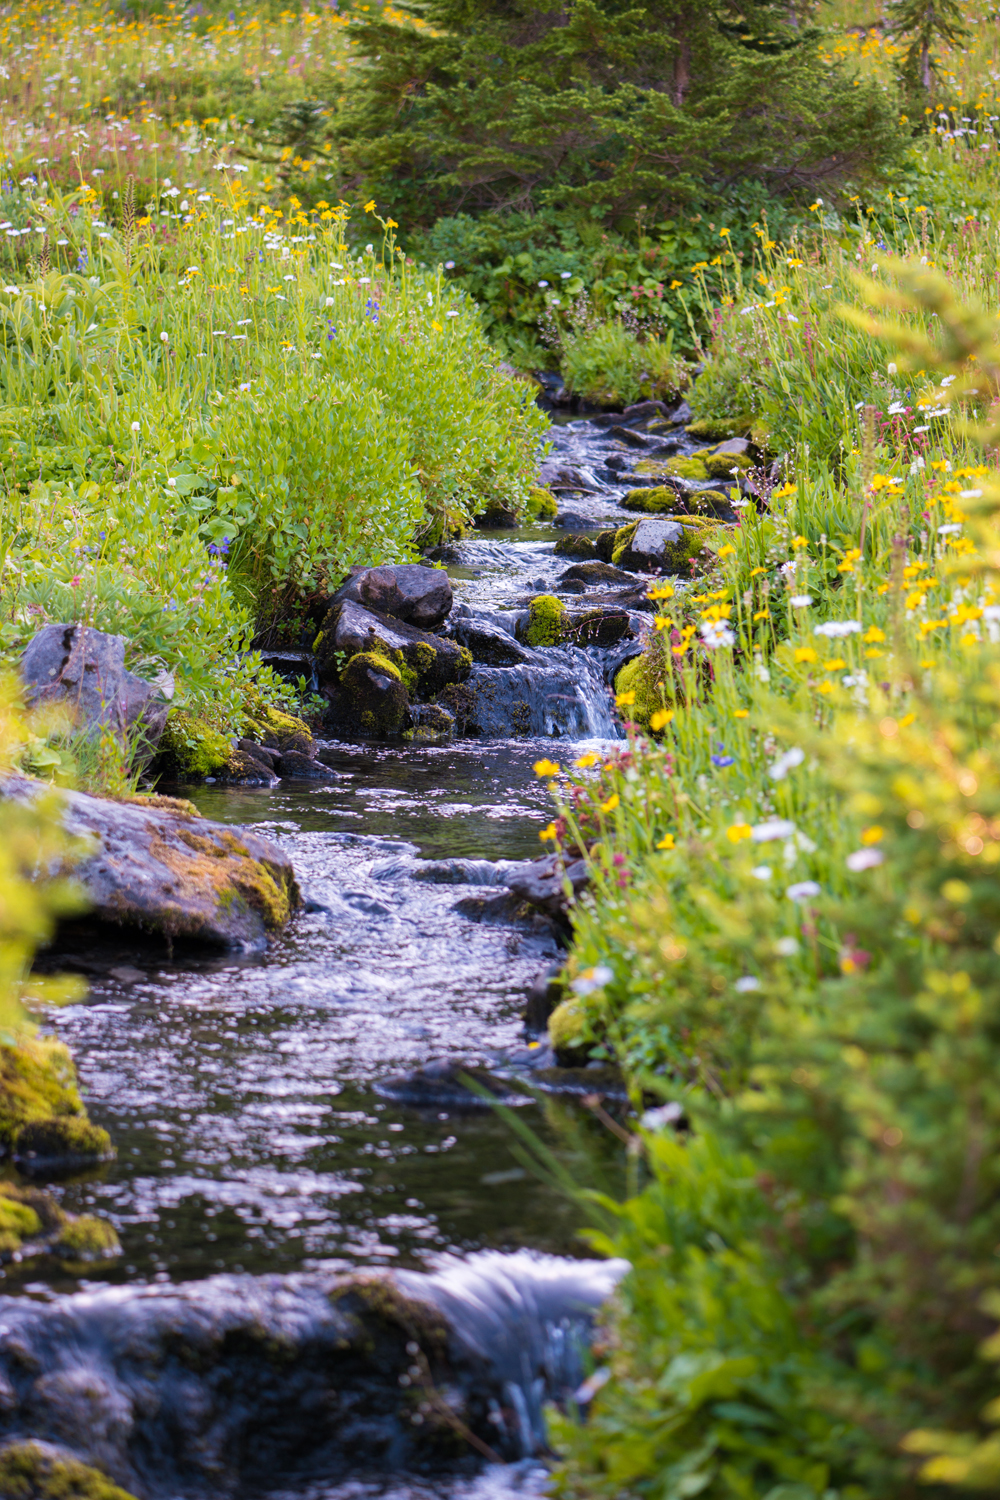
242 1385
565 696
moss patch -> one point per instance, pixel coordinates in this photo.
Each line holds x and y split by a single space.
542 505
62 1140
36 1471
652 502
87 1239
225 866
576 546
190 749
37 1081
604 544
718 429
721 465
674 557
545 621
276 730
376 693
567 1026
650 678
18 1222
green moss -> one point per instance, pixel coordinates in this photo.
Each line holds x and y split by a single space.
545 621
650 678
384 1307
63 1138
18 1222
604 544
717 429
686 468
225 865
675 556
567 1025
542 505
37 1081
652 502
380 711
577 546
87 1239
277 730
36 1471
191 749
721 465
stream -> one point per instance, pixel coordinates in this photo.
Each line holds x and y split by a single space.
258 1157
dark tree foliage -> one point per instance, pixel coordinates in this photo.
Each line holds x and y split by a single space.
926 23
600 106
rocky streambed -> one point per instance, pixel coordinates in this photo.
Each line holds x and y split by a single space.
336 1276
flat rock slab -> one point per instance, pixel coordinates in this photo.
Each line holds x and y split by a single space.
407 591
163 870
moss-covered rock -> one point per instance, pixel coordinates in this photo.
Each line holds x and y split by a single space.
650 678
542 505
567 1026
665 546
604 544
349 631
85 1240
39 1471
432 722
278 730
61 1143
191 749
374 688
721 465
658 500
576 545
686 468
18 1222
498 517
717 429
546 618
37 1082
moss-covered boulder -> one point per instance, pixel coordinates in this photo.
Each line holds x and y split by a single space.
376 694
542 505
191 749
37 1082
278 730
650 678
40 1471
498 517
604 544
591 573
660 499
32 1223
663 546
717 429
426 663
546 619
721 465
432 723
86 1240
576 545
61 1143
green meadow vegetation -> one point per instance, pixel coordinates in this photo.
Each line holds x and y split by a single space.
225 378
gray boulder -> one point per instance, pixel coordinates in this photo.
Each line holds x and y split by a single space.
349 630
542 882
489 644
153 865
655 545
406 591
84 669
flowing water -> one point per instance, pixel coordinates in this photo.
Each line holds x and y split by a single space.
256 1155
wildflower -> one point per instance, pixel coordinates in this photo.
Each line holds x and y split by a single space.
547 833
746 984
588 760
136 427
164 338
837 628
780 768
660 719
655 1119
543 283
727 552
716 633
761 872
625 700
806 654
873 634
798 542
762 614
667 841
741 713
592 979
872 835
546 768
661 591
739 831
802 890
800 601
864 859
611 804
775 828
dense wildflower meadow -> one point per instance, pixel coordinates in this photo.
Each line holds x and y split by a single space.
222 383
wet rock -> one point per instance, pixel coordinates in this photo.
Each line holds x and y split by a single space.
37 1086
227 1386
405 591
641 410
497 517
598 627
606 419
32 1223
541 1000
273 729
545 622
52 1147
618 463
290 665
294 766
572 520
164 871
576 546
657 546
84 670
432 661
263 753
550 883
489 644
681 414
571 586
243 769
736 445
373 687
598 572
430 723
44 1471
442 1085
629 438
557 476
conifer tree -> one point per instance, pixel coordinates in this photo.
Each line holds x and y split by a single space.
599 105
926 23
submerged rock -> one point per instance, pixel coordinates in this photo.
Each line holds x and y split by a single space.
430 723
50 1148
453 1085
549 883
238 1384
84 670
406 591
163 870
